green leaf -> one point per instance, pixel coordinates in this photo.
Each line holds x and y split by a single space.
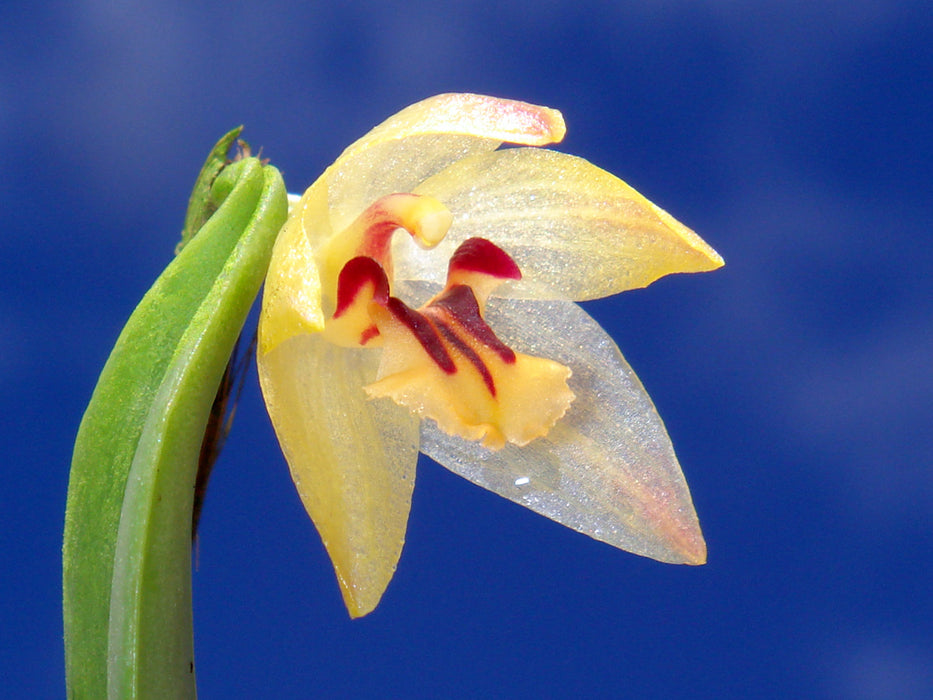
127 546
201 205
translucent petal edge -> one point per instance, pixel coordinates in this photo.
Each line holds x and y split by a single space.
352 460
426 137
608 468
469 114
570 225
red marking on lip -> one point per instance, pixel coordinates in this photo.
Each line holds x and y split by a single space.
469 353
451 325
354 276
460 303
424 332
480 255
369 334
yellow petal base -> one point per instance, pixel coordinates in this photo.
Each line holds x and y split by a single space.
532 396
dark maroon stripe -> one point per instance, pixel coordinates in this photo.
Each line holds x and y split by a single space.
426 334
468 352
460 302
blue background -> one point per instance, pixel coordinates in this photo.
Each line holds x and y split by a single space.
796 382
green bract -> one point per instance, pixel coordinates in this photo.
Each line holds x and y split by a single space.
127 546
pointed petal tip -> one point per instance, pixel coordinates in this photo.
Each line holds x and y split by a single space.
359 600
678 537
715 260
704 258
356 611
696 555
687 545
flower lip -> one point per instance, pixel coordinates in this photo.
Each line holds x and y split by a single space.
459 302
424 332
444 362
471 356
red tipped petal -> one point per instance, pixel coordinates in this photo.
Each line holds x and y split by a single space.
477 255
355 276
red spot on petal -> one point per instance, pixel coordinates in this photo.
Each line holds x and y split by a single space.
354 276
369 334
479 255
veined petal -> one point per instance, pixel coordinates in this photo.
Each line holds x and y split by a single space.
570 225
396 155
291 298
469 115
352 460
426 137
310 213
607 468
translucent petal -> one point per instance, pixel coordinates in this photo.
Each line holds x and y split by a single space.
396 155
426 137
352 459
607 468
291 299
472 115
568 224
310 214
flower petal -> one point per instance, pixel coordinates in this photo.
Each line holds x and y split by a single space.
396 155
426 137
352 460
607 469
568 224
291 298
471 115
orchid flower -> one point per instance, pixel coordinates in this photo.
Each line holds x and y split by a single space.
460 337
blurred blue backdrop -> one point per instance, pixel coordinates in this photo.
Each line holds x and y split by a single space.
796 382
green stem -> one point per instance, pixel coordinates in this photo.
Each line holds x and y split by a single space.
127 556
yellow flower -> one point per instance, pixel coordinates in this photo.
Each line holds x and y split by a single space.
461 339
